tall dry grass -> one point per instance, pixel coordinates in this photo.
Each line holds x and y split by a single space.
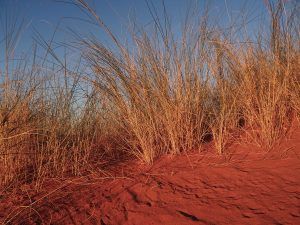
163 94
47 118
168 93
268 76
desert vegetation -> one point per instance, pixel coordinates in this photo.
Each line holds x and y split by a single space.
163 93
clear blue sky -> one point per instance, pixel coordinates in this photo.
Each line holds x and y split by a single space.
44 15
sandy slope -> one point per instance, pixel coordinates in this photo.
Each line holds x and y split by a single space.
198 189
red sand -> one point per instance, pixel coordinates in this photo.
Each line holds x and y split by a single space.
257 188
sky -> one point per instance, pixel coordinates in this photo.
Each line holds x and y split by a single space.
43 17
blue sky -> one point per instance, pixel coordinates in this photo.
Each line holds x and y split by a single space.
43 16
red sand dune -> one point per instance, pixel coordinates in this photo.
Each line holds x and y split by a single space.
254 188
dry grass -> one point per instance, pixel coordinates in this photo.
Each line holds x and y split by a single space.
163 94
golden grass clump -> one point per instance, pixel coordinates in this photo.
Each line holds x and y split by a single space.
164 93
